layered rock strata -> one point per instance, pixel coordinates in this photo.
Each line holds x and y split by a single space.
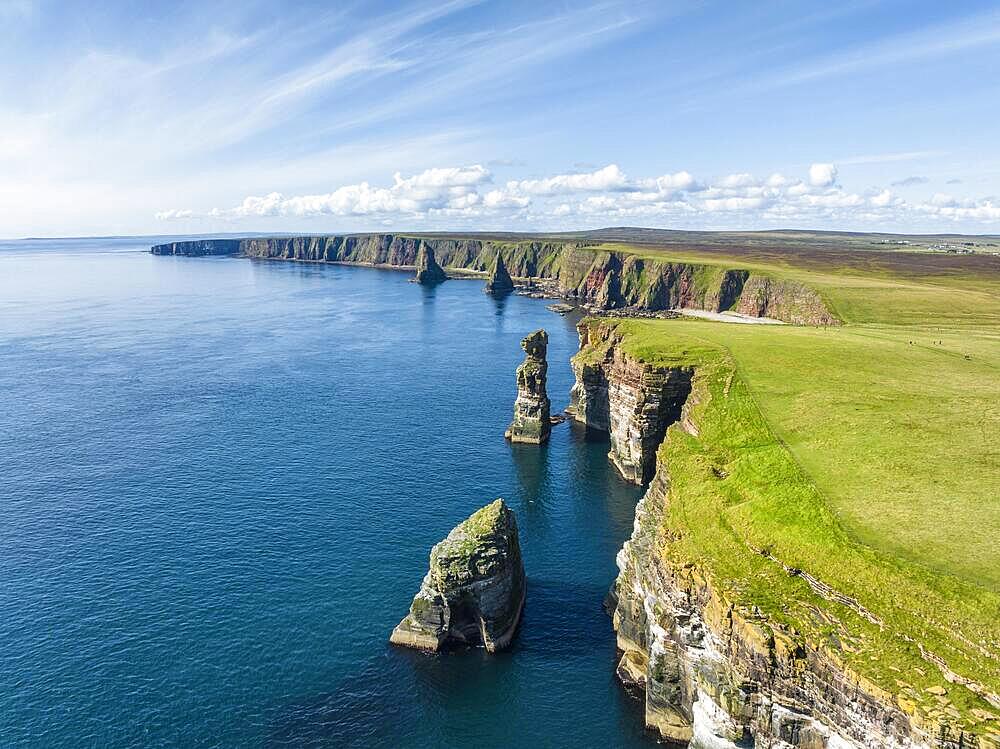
532 421
714 673
499 281
598 278
428 271
633 402
474 590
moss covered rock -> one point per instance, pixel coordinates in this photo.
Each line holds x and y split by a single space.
473 592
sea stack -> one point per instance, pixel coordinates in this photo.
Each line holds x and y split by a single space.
531 409
428 271
499 281
473 592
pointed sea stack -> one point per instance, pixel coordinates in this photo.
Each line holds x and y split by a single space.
428 271
499 281
473 592
531 409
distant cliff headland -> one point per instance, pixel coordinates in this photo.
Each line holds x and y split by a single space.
585 272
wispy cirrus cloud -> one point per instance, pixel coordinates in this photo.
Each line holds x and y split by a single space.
909 181
948 38
108 118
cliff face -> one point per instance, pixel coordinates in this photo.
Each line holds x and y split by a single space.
473 592
601 279
632 401
200 247
721 677
715 671
783 300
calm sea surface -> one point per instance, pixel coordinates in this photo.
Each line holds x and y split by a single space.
220 481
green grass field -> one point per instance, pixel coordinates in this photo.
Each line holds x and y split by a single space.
867 455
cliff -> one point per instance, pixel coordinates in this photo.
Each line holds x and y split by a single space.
730 646
600 278
532 422
474 589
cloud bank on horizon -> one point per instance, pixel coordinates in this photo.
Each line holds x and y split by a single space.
470 114
467 196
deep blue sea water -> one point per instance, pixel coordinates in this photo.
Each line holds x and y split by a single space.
219 484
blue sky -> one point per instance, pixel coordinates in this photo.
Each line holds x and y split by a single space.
202 117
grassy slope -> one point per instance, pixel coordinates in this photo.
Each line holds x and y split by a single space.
866 455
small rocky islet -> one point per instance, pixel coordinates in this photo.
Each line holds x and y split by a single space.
473 592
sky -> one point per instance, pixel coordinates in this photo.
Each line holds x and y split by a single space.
205 117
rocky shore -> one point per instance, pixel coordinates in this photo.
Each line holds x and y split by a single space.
601 279
474 590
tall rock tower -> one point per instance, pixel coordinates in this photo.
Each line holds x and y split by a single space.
531 409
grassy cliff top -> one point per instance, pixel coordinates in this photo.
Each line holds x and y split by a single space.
889 287
866 455
896 427
862 459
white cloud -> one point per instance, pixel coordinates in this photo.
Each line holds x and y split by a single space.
601 180
456 196
677 181
881 200
448 177
503 199
733 204
433 189
822 175
948 207
737 180
173 215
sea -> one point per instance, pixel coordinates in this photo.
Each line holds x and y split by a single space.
220 481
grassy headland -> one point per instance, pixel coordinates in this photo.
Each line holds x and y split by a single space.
866 455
